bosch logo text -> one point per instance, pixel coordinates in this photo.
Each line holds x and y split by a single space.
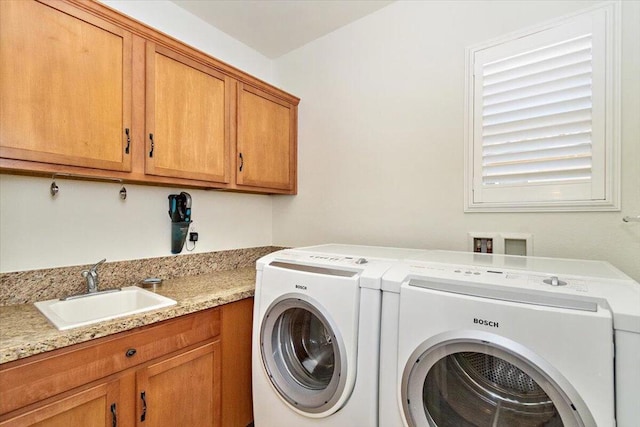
303 287
486 322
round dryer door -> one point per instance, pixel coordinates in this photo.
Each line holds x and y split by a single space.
476 384
303 355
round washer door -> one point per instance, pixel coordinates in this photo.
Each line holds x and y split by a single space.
476 383
303 355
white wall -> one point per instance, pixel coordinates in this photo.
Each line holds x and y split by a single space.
87 221
381 135
176 22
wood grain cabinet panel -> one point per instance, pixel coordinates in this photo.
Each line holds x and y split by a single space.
181 391
187 118
94 407
85 90
194 370
237 324
65 85
33 379
266 140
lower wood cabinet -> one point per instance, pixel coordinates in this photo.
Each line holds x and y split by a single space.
168 374
183 390
237 404
93 407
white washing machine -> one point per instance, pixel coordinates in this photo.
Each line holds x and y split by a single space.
491 340
316 336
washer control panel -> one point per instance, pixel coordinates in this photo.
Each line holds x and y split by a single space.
339 259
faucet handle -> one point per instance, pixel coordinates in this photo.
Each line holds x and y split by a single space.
91 276
95 267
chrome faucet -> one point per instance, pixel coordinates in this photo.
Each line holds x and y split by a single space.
91 276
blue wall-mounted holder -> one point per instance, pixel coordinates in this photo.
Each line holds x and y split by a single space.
180 214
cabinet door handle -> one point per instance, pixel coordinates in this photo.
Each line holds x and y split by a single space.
131 352
114 416
126 150
152 145
143 396
241 162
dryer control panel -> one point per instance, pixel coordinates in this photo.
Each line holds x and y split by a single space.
555 286
499 277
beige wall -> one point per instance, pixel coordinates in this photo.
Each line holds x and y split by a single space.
381 135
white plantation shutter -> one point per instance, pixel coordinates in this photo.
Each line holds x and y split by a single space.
539 130
536 116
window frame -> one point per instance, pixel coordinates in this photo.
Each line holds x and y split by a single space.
611 201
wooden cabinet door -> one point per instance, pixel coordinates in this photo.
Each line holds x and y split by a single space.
187 116
237 324
65 86
183 390
95 407
266 140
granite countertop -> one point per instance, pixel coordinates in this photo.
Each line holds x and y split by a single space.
24 331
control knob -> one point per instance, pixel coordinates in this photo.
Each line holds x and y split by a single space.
554 281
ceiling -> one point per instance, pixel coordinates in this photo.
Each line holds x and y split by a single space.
275 27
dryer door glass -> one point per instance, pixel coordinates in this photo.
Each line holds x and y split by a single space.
478 385
476 389
302 355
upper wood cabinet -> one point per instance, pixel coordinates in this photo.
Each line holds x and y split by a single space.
85 90
187 118
266 140
65 86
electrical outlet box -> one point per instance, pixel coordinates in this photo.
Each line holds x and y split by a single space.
518 243
193 237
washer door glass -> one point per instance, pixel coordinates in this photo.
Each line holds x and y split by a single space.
302 355
483 386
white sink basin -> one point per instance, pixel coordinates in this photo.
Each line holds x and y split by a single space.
72 313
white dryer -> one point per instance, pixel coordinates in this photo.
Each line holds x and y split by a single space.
316 336
490 340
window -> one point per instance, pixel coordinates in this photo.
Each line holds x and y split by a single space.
542 128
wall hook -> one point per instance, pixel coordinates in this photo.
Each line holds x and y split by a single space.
54 189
